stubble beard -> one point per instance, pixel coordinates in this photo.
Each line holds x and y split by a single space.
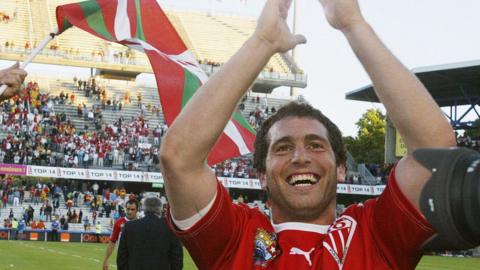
306 208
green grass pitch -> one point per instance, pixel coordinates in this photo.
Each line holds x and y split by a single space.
29 255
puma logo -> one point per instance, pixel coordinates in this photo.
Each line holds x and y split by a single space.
297 251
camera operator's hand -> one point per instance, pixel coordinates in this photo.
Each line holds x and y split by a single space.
13 77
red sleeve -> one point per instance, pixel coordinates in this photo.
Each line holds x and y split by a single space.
117 227
205 240
398 228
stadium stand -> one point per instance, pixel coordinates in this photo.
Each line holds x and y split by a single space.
212 39
50 202
60 121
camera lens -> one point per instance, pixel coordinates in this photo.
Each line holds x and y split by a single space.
451 198
471 196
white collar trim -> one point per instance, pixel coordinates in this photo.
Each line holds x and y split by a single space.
299 226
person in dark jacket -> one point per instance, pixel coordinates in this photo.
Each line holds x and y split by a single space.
148 243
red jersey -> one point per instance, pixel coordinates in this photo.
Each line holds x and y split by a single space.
383 233
117 229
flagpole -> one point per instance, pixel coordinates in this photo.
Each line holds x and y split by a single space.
34 53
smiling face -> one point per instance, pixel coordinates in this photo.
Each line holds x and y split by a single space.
301 172
131 211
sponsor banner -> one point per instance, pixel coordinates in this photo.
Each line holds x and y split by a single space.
4 234
73 173
155 177
359 189
342 188
223 181
245 183
93 174
238 183
33 236
152 177
255 184
130 176
65 237
43 171
93 238
13 169
108 175
378 189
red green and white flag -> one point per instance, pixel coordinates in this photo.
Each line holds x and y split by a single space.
142 25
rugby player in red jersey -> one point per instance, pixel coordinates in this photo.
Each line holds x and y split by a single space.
300 156
131 214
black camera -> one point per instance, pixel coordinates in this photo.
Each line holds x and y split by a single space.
451 198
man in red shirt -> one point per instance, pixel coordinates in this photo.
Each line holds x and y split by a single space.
131 211
300 156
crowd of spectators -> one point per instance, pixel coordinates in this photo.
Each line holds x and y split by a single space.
469 142
5 17
241 167
261 112
37 135
83 206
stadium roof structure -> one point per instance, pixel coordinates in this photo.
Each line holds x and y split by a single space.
212 38
450 85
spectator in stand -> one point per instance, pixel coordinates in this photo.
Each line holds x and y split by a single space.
65 226
98 231
86 223
48 211
55 226
33 225
95 188
80 216
62 220
21 228
14 230
74 218
40 225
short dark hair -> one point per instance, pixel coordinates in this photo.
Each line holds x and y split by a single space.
133 201
297 109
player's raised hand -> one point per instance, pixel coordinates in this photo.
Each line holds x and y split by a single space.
13 77
342 14
272 26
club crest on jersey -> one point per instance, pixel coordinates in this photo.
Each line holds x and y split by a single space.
265 247
340 236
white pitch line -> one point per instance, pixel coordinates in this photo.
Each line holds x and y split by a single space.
76 256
